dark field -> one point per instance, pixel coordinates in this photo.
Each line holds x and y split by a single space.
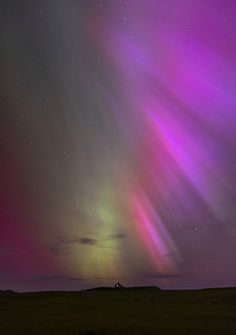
120 312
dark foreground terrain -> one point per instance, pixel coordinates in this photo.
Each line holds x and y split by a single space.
108 312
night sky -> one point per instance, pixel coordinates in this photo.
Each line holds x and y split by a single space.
117 143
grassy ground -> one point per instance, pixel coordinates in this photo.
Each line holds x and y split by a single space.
120 312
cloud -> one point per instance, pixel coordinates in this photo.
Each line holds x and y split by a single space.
58 249
87 240
80 240
92 241
61 246
117 236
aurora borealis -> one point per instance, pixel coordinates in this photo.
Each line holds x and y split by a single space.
117 143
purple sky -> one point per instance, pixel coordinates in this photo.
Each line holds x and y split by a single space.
117 143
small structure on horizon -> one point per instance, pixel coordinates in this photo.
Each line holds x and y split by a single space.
118 285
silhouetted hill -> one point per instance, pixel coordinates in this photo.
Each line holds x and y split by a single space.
8 292
141 288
